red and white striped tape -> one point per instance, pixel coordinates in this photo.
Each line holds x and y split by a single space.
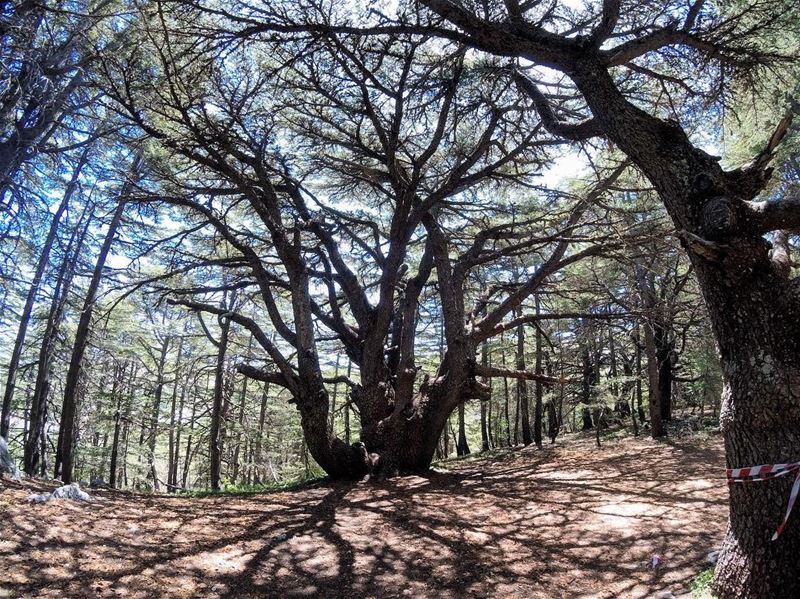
756 474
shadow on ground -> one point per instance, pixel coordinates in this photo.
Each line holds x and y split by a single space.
570 521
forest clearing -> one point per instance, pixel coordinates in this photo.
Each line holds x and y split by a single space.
569 521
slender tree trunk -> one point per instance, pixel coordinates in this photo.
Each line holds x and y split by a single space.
552 422
612 366
239 435
262 415
26 415
179 426
485 405
69 408
117 395
33 290
656 428
639 395
538 388
41 390
335 396
462 448
505 392
347 407
633 416
522 389
152 436
215 437
172 418
126 427
587 384
188 458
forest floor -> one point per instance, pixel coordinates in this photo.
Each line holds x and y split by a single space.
567 521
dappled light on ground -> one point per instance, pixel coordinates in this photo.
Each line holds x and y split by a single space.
570 521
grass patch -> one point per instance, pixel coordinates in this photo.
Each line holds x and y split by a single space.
701 585
616 433
244 490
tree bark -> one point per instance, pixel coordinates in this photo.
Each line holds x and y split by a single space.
653 389
347 407
754 311
522 389
152 436
505 393
638 349
239 432
587 384
33 452
462 448
176 457
173 415
126 427
215 433
262 415
187 460
117 395
335 395
664 355
33 290
68 410
538 389
485 423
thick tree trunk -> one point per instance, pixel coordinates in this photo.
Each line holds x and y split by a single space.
755 311
760 349
664 355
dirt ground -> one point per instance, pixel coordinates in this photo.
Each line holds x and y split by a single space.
570 521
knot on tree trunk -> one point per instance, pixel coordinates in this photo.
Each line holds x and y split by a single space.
719 218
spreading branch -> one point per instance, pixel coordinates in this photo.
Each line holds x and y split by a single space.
497 372
573 131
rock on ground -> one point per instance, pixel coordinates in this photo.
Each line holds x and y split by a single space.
72 491
7 463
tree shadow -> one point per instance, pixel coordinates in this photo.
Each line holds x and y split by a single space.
571 522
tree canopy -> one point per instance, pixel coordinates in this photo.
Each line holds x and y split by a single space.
265 238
